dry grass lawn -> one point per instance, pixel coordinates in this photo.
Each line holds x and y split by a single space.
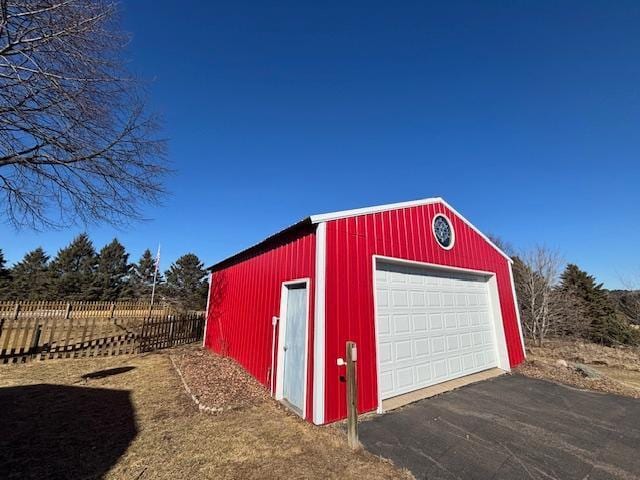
138 423
619 367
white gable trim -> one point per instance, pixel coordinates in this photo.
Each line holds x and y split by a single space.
473 227
325 217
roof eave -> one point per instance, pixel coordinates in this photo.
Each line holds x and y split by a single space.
304 221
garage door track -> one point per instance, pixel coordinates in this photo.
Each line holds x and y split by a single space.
512 427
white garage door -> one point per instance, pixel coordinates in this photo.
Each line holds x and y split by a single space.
432 327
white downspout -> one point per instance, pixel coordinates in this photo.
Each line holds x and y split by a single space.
274 322
206 313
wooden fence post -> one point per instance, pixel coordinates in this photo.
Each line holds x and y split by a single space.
68 312
352 397
33 350
16 311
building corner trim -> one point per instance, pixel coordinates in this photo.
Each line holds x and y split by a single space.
319 325
517 308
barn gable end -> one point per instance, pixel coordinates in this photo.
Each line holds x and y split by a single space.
402 233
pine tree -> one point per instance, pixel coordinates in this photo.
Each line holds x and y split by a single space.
31 278
605 326
73 271
186 282
111 272
5 279
141 280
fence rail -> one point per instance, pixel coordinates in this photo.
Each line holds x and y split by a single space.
38 337
46 309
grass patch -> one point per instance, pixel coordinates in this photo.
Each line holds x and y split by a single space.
163 436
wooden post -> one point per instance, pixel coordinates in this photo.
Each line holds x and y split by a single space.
68 312
16 311
33 349
172 327
352 397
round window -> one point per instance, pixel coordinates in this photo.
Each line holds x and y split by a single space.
443 231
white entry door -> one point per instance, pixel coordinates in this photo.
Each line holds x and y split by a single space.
432 327
294 346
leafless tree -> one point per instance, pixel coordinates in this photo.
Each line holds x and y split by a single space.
629 302
503 245
536 273
75 142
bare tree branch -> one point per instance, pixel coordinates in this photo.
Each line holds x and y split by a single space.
76 143
536 274
628 302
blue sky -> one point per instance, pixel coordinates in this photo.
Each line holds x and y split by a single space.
525 116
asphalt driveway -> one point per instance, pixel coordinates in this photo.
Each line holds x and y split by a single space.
512 427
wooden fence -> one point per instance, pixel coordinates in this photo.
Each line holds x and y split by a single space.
30 309
38 337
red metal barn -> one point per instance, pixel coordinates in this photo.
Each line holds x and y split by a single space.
424 294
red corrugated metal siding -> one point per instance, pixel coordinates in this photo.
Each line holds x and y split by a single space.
404 233
246 295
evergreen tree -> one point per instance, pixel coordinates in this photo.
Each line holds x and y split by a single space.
73 270
187 282
31 279
605 326
141 280
111 271
5 279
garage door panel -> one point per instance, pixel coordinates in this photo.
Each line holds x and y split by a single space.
423 373
382 297
440 370
403 351
417 299
386 383
432 327
401 324
419 322
455 365
399 298
450 321
438 345
453 343
467 361
384 325
404 377
436 321
421 347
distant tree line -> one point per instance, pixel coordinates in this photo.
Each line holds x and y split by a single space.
563 300
80 273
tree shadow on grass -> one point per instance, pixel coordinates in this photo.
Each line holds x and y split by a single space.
56 431
106 373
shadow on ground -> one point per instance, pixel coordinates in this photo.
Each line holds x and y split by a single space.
56 431
109 372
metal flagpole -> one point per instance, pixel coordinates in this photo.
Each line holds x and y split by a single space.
155 277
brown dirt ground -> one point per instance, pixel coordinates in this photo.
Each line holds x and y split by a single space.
619 367
140 424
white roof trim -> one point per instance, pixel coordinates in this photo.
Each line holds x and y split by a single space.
473 227
325 217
